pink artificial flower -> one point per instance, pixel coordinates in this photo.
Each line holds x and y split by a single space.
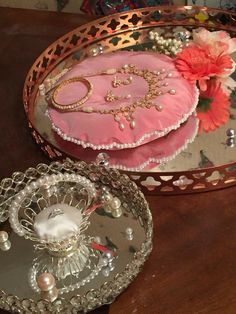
196 64
217 42
213 108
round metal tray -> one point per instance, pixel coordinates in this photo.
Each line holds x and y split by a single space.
208 163
18 259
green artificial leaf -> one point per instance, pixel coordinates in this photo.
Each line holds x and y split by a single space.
204 104
233 99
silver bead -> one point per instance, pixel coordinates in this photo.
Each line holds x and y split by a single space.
108 255
111 266
129 237
230 142
106 272
103 159
230 132
129 230
104 261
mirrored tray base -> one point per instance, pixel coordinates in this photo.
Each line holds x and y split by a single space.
207 163
86 277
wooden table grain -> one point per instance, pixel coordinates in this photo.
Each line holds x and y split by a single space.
192 269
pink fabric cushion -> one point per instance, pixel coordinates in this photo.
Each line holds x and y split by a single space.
143 157
101 131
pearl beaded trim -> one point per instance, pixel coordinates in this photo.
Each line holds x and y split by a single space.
161 160
47 180
33 282
102 264
116 145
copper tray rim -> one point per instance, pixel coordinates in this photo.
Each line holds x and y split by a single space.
58 154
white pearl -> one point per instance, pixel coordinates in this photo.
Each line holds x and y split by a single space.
132 124
3 236
172 91
117 213
115 203
159 107
121 126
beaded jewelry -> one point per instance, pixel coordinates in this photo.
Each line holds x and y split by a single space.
154 80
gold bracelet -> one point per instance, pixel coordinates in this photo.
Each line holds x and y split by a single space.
77 104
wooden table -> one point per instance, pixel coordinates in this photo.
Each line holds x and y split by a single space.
192 268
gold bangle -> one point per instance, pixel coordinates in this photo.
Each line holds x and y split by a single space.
77 104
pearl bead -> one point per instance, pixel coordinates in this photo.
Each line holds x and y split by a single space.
169 75
107 197
46 281
121 126
132 124
172 91
230 132
107 208
159 107
117 213
5 246
115 203
3 236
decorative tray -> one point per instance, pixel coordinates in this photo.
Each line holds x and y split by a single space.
76 237
208 163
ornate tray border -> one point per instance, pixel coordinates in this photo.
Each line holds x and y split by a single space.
85 36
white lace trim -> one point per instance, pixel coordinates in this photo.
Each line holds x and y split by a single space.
158 134
161 160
